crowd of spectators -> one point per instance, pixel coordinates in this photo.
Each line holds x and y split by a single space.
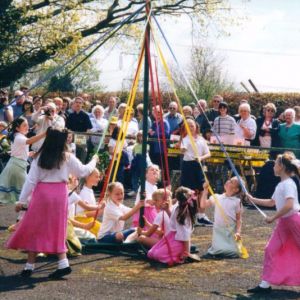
82 115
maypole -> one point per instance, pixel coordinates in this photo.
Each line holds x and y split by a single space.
145 112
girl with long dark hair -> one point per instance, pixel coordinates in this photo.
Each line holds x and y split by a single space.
13 176
43 227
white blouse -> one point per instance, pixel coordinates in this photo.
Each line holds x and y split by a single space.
19 148
183 232
72 165
189 153
248 123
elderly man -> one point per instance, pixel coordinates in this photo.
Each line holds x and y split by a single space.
201 119
79 121
17 104
156 132
173 117
59 106
214 111
45 117
111 109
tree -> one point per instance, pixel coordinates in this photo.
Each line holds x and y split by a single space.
206 75
35 31
62 84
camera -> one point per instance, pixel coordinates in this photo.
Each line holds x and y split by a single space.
47 113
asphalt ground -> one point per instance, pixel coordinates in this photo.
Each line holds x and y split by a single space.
102 276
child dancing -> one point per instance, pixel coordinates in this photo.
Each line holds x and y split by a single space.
191 172
14 174
282 253
43 227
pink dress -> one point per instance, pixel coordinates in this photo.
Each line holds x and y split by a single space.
282 253
170 248
43 227
149 210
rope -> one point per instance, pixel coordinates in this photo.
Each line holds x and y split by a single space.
243 250
194 95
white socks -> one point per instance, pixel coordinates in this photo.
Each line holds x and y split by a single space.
264 284
29 266
63 263
200 215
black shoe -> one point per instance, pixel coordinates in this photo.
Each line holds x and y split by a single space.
205 222
59 273
26 273
259 290
211 256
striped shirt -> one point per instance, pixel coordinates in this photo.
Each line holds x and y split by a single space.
224 125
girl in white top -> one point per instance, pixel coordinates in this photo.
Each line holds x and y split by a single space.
43 228
282 253
13 176
192 175
115 214
81 229
152 177
161 223
227 221
87 194
175 246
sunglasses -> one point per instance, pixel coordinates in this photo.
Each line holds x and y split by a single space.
270 110
172 108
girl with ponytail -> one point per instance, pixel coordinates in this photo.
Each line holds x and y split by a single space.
13 176
175 246
282 253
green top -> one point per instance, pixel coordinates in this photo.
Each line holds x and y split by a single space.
137 148
290 137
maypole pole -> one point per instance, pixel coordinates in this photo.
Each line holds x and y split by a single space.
145 112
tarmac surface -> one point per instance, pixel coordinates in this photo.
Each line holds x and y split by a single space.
102 276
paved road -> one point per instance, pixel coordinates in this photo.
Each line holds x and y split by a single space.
101 276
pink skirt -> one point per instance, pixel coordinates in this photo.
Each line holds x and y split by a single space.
150 213
167 250
282 253
43 227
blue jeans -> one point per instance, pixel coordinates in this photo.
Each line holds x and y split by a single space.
111 237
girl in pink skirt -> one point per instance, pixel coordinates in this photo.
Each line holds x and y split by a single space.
282 253
43 227
175 246
152 177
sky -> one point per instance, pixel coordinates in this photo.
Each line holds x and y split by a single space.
263 47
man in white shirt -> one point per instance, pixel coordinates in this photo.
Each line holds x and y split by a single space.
46 117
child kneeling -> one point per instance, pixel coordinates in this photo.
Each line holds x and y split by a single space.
228 219
175 246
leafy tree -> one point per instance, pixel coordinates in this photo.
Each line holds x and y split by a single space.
63 84
206 75
35 31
